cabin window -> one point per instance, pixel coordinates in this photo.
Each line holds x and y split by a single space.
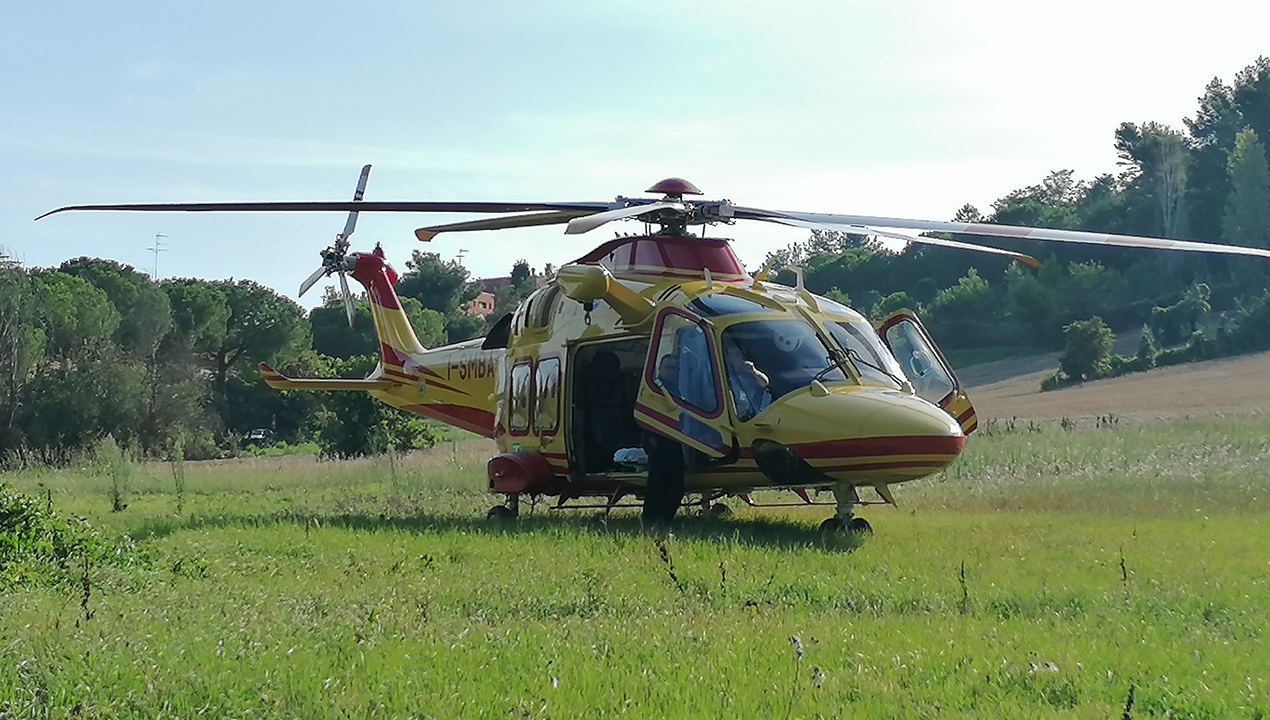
547 418
518 400
684 365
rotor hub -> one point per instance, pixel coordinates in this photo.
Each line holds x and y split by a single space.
675 187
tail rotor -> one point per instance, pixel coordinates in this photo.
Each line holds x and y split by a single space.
335 260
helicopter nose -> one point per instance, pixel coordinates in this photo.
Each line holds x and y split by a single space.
859 436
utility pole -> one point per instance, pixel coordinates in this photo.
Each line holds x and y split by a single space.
158 248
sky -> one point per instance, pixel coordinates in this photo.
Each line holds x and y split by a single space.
905 108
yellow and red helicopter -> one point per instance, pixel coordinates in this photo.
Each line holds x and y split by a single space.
654 366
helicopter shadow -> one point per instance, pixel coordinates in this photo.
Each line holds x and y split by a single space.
744 532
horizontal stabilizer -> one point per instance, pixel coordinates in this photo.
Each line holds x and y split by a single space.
278 381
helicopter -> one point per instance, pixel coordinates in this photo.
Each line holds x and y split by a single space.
654 370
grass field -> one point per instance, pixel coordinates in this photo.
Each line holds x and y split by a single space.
1091 573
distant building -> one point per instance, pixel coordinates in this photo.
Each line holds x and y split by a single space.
480 306
483 304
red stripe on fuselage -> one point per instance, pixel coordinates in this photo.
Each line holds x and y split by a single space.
882 446
474 420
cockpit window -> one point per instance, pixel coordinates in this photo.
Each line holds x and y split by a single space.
872 361
832 307
765 359
866 352
718 304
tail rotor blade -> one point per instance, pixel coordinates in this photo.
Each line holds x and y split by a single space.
348 298
351 224
312 280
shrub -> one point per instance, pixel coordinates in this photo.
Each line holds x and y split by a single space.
38 546
1147 348
1087 353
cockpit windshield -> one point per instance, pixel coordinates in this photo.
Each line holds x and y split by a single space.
766 359
870 358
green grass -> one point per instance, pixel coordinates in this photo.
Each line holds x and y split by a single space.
1043 575
280 449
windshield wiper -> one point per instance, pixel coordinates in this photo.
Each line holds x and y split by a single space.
837 361
839 358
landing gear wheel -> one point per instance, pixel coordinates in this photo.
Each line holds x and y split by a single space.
500 513
860 526
855 526
719 510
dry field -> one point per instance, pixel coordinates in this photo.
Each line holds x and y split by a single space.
1238 387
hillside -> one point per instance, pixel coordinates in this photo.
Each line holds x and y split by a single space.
1230 386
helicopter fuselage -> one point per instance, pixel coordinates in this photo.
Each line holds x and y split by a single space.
765 385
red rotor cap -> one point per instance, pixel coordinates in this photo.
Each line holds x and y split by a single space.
674 186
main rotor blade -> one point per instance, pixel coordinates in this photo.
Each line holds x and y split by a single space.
351 223
1020 232
498 223
348 298
920 239
400 206
587 223
311 280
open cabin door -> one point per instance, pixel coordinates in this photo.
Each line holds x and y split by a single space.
926 367
680 392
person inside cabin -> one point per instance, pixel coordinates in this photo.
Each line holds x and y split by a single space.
668 373
749 385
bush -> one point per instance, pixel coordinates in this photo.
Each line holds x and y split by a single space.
38 546
353 424
1087 353
1148 350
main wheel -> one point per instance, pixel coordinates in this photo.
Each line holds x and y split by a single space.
860 526
719 510
500 513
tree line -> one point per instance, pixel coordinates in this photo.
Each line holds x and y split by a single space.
1207 182
94 348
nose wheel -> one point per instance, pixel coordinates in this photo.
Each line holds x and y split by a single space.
856 526
845 520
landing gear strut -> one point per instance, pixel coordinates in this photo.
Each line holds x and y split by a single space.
845 520
510 510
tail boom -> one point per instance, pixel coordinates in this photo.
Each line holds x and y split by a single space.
454 384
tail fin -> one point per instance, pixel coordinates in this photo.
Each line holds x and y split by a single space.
397 339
